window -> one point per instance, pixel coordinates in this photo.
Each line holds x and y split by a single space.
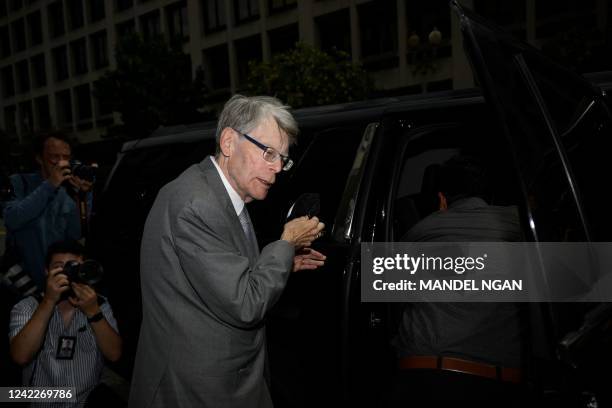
5 42
26 117
246 10
34 22
276 6
96 10
63 102
19 35
283 39
10 119
8 82
215 62
103 111
178 27
60 62
78 49
75 11
39 73
150 25
23 76
41 108
56 19
334 31
378 25
99 49
125 28
247 50
121 5
213 13
82 97
15 5
3 10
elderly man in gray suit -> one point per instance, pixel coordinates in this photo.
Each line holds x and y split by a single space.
206 288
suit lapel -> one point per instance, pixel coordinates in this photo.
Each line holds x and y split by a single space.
216 184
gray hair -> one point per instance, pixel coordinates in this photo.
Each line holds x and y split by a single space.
245 113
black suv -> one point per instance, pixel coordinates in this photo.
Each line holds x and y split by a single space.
545 134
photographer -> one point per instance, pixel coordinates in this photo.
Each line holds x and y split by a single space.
62 339
46 207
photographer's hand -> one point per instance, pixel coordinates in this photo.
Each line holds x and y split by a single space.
107 338
86 299
80 184
59 173
57 283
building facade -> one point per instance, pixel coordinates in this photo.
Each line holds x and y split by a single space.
53 51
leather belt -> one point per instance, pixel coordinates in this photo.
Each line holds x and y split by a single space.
459 365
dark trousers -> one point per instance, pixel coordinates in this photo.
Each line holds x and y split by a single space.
417 388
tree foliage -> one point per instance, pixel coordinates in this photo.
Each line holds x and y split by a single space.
151 86
307 76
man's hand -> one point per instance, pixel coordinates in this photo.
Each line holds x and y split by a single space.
302 231
59 173
57 283
308 258
80 185
86 299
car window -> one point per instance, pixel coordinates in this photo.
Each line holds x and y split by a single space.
322 167
425 149
125 204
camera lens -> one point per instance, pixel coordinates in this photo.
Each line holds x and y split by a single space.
90 272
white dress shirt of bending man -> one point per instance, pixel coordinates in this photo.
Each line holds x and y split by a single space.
62 339
206 286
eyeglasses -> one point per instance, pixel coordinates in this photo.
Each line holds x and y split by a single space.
269 153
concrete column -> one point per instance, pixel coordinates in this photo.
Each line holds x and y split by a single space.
402 32
195 34
231 49
265 38
112 35
306 22
355 32
49 67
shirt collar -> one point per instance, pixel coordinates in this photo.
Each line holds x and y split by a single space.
236 200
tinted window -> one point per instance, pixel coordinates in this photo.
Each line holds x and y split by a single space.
322 168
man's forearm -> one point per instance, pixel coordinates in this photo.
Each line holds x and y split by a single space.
19 212
29 340
108 339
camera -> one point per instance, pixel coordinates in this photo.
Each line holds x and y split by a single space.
83 171
89 272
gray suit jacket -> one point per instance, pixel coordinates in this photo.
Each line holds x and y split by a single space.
202 339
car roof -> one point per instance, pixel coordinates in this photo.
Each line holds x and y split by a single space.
322 116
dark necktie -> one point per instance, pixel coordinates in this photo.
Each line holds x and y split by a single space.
249 232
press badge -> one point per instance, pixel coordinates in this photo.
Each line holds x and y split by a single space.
65 347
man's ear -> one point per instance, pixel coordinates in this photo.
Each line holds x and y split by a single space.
443 202
226 142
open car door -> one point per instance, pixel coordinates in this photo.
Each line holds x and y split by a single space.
560 130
